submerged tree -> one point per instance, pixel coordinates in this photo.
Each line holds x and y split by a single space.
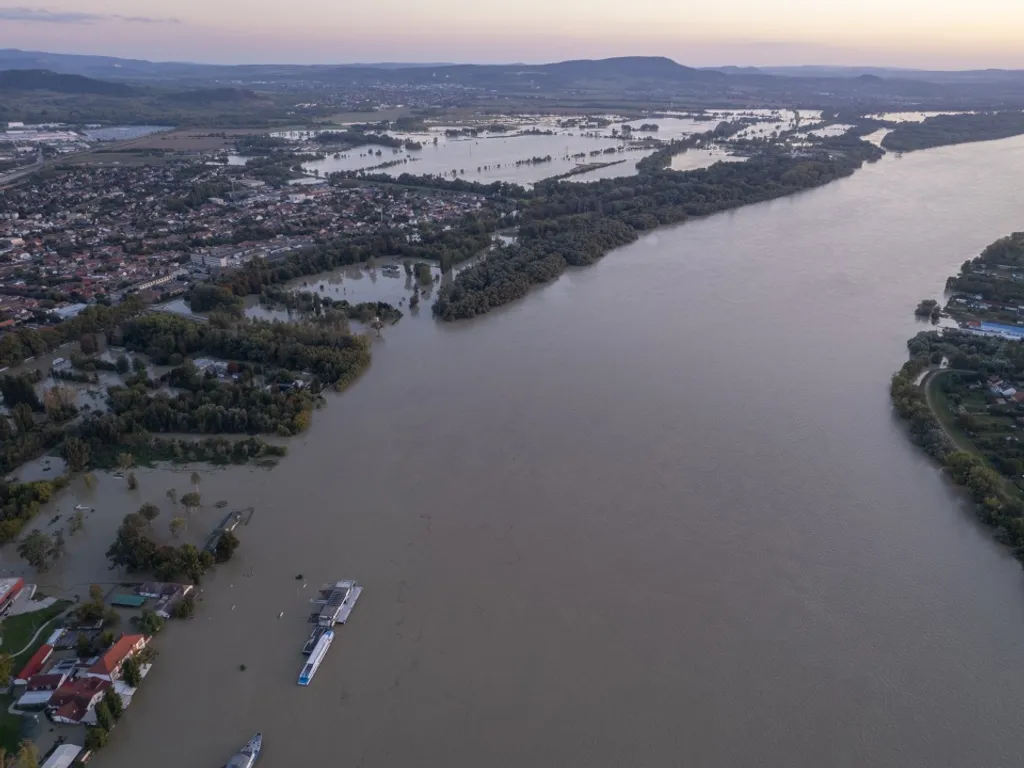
178 524
191 502
226 546
35 548
149 513
57 546
76 454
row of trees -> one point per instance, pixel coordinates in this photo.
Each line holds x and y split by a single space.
29 342
135 550
566 224
20 502
998 502
27 756
107 436
207 297
448 245
941 130
332 354
990 275
312 303
509 271
227 407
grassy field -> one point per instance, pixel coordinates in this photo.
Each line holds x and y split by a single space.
18 630
943 412
189 139
10 726
986 424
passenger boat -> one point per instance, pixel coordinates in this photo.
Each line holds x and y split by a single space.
313 638
246 758
316 656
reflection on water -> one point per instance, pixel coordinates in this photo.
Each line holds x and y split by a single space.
693 159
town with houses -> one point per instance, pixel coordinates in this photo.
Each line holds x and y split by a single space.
98 234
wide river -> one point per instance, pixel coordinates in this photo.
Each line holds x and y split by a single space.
658 513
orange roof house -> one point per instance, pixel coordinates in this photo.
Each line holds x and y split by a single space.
109 665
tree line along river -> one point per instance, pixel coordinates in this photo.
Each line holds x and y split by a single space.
656 513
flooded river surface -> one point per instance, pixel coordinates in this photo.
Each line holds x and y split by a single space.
658 513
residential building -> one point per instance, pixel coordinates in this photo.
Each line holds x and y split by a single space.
69 311
208 260
109 665
40 689
34 664
74 700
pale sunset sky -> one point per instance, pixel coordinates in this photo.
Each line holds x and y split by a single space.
941 34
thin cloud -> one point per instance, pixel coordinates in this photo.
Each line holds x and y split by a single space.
43 16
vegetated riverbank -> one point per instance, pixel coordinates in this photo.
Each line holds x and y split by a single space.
970 416
25 343
277 374
564 224
941 130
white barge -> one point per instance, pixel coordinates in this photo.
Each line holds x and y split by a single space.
338 600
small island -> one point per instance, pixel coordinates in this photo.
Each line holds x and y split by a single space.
942 130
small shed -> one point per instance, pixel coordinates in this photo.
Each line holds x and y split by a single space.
128 601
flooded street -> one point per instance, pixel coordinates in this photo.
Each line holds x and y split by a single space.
658 513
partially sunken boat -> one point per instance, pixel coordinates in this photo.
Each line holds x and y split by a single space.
246 758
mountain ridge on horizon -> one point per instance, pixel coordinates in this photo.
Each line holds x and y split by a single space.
615 81
11 56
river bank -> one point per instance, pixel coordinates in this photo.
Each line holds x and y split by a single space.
968 416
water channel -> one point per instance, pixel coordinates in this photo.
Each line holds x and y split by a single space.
656 514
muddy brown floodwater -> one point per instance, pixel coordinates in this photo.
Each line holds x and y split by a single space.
656 514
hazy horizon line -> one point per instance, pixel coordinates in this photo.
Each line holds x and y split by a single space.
432 62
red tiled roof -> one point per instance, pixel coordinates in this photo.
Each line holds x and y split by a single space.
45 682
73 710
36 662
71 701
117 653
80 687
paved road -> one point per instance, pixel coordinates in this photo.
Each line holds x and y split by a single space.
20 173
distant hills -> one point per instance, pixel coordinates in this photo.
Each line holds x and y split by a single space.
45 80
111 67
612 82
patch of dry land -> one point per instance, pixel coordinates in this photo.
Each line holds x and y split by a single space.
188 140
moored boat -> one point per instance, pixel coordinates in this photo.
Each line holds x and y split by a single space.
246 758
319 651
